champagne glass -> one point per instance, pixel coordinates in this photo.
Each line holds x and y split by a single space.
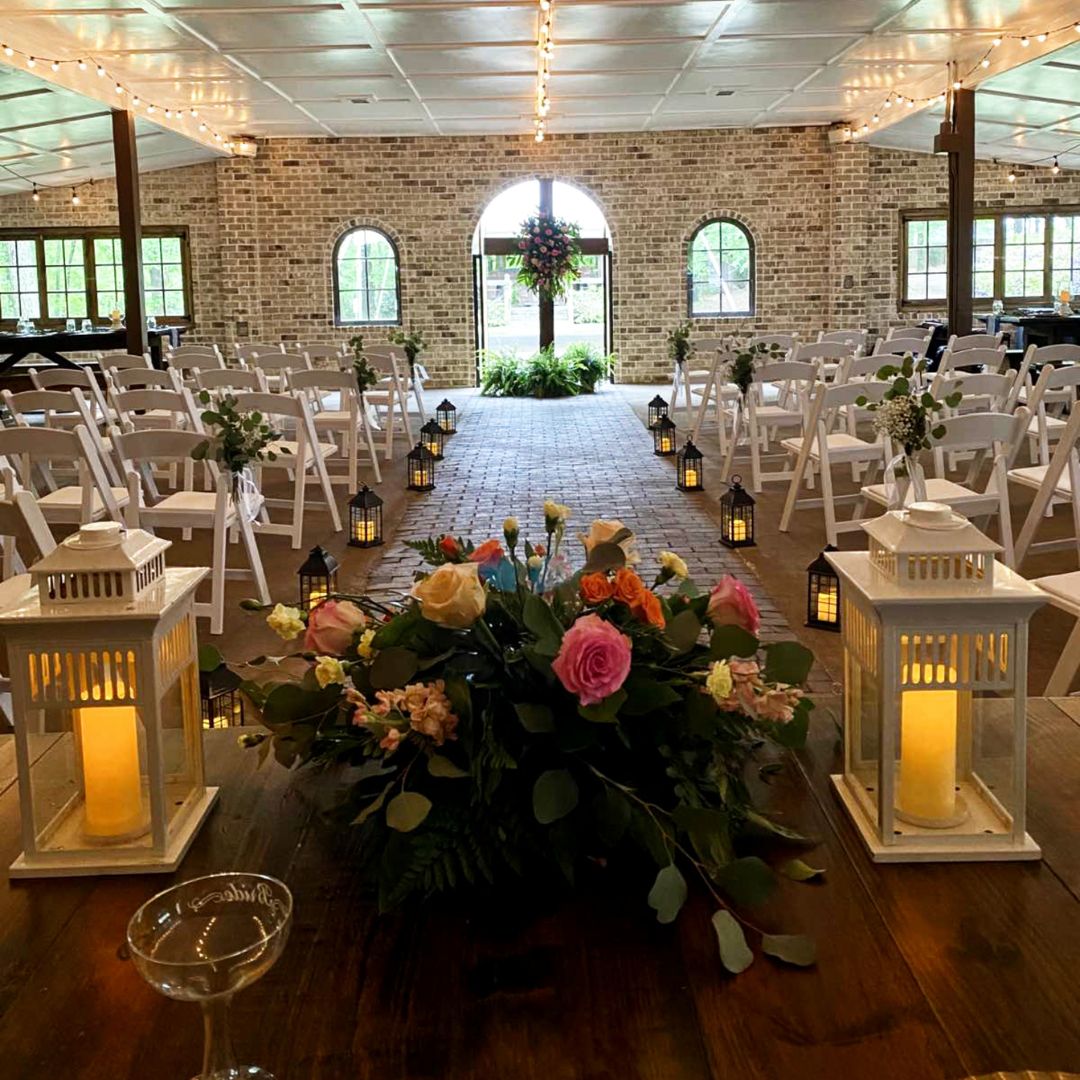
205 940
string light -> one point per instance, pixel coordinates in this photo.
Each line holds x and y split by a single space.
545 49
83 64
75 200
37 194
1011 177
1055 168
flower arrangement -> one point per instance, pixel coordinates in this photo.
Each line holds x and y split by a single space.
413 343
518 719
906 413
238 439
745 360
679 345
548 255
366 376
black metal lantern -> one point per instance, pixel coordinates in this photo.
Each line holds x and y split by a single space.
663 433
434 438
446 415
691 470
737 516
318 578
822 594
420 468
658 408
365 519
222 702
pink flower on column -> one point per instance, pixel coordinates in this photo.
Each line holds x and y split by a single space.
594 659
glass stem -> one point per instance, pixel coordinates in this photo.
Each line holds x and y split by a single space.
218 1060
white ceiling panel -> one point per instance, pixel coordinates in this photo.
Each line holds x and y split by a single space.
962 14
388 127
869 77
481 108
435 87
611 82
318 88
1027 111
605 106
796 51
704 80
328 61
600 21
467 61
41 106
333 111
800 16
742 100
1049 142
939 48
615 57
100 33
296 29
471 24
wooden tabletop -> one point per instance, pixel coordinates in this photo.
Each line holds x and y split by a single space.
924 971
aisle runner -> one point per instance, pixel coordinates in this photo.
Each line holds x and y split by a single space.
592 453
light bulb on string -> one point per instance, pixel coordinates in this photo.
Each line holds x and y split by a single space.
996 42
194 113
957 85
82 65
875 118
134 101
168 114
1025 41
118 88
151 109
1041 38
8 50
1011 177
100 72
55 65
985 62
36 196
202 127
31 62
1055 168
74 197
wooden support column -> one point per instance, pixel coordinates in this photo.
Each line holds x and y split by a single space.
957 139
126 159
547 305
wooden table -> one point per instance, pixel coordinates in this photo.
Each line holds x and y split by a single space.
925 971
52 345
1036 329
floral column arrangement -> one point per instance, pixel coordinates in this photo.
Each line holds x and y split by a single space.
549 255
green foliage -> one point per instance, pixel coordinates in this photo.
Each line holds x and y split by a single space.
413 343
745 362
544 375
678 343
238 439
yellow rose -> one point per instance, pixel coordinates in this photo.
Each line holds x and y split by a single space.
364 649
452 595
673 564
719 681
601 532
285 622
328 669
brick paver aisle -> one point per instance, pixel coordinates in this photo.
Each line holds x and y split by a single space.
592 453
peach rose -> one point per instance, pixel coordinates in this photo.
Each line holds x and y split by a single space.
730 604
331 626
648 609
628 587
593 660
595 588
452 595
601 532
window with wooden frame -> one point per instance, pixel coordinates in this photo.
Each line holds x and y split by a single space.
720 276
1021 257
51 275
366 279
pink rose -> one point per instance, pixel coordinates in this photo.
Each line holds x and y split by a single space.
331 626
730 604
523 244
594 659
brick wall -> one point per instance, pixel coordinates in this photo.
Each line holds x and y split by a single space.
825 220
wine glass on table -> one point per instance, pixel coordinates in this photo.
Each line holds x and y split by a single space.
204 941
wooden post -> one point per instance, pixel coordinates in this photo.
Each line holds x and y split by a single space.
957 139
547 304
126 159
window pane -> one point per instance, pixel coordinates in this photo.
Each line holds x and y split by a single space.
984 230
173 277
721 269
366 277
170 249
174 303
916 287
982 285
917 233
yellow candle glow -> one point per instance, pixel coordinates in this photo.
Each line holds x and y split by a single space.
928 720
826 605
691 478
738 529
666 444
364 530
417 478
112 784
316 596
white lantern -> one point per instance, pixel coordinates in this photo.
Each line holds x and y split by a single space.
105 693
935 635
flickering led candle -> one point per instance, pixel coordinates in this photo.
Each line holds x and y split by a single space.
826 605
316 596
691 477
112 783
928 722
364 530
738 529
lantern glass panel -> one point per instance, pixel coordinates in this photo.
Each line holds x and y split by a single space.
863 707
822 596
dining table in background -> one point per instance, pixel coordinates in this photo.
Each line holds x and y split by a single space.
52 345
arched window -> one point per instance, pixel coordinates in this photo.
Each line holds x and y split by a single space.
366 278
720 278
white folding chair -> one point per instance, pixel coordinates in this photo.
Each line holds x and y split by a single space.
141 378
83 380
89 498
377 355
819 448
211 351
187 509
390 395
275 366
1035 357
247 351
122 362
229 379
184 364
693 371
326 357
22 526
830 356
984 433
857 339
898 345
963 342
304 456
983 391
784 340
1056 389
337 410
977 357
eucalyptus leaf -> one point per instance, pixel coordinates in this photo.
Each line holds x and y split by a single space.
407 811
787 662
797 870
735 954
729 641
536 719
611 810
606 711
375 805
767 825
444 768
747 881
645 695
541 622
794 949
604 557
210 658
555 794
392 668
683 632
668 893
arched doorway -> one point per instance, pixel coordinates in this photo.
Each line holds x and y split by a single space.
510 318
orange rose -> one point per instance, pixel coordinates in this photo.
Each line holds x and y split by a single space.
489 554
596 588
628 586
648 609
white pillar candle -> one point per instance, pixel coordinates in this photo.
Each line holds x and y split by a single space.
112 782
